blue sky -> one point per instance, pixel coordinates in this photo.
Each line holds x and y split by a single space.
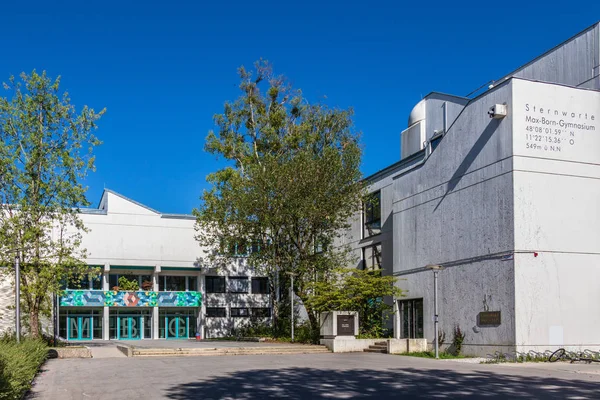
163 69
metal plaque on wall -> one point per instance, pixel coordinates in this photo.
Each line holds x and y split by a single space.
345 325
488 318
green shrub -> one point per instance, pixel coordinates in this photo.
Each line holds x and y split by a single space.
458 339
18 365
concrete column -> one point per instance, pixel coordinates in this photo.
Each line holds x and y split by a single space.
105 323
202 309
106 310
396 319
105 280
155 314
155 317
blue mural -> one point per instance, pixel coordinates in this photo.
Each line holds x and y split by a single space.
111 298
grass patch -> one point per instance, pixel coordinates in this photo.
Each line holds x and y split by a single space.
431 354
18 365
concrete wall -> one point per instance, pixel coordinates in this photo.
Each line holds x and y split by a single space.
575 62
456 209
557 216
7 302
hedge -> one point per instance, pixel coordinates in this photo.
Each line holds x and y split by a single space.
18 365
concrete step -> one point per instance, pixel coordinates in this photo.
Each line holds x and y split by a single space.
375 351
230 351
378 346
383 343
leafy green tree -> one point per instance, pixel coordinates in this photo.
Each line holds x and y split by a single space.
356 290
46 150
290 186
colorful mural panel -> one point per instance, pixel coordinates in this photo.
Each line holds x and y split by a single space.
111 298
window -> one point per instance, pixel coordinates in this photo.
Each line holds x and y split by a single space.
411 315
372 257
192 283
372 214
215 284
435 142
261 312
239 312
216 312
238 284
260 285
85 283
175 283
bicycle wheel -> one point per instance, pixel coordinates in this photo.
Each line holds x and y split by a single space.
557 355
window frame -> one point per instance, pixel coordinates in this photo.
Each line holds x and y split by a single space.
238 279
258 280
224 309
214 278
370 221
374 254
235 315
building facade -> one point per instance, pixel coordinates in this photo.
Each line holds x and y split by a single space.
503 192
175 295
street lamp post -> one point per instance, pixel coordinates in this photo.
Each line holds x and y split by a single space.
435 269
17 299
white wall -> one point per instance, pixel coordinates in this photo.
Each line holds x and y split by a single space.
557 215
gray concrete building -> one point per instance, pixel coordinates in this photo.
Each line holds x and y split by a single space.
502 190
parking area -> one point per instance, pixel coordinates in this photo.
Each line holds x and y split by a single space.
310 376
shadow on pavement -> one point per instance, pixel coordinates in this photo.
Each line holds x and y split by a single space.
308 383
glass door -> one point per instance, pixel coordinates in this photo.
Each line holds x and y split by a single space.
129 327
176 326
79 327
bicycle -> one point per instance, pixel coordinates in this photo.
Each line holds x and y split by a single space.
586 356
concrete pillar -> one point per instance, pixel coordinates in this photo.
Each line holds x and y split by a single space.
202 309
105 279
155 321
155 314
105 323
106 310
396 319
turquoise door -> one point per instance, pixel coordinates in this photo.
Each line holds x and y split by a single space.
177 326
129 327
79 327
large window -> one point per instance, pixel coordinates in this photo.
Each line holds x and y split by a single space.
239 312
372 214
215 284
216 312
173 283
260 285
411 317
144 281
238 284
372 257
261 312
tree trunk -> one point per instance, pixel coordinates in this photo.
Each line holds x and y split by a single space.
34 322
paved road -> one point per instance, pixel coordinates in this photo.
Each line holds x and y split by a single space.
311 376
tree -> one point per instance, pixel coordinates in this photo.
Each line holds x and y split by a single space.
46 150
356 290
291 184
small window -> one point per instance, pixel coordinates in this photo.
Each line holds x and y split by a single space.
239 312
260 285
215 284
216 312
372 257
261 312
372 214
435 142
238 284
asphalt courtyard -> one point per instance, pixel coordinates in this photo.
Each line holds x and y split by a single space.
309 376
